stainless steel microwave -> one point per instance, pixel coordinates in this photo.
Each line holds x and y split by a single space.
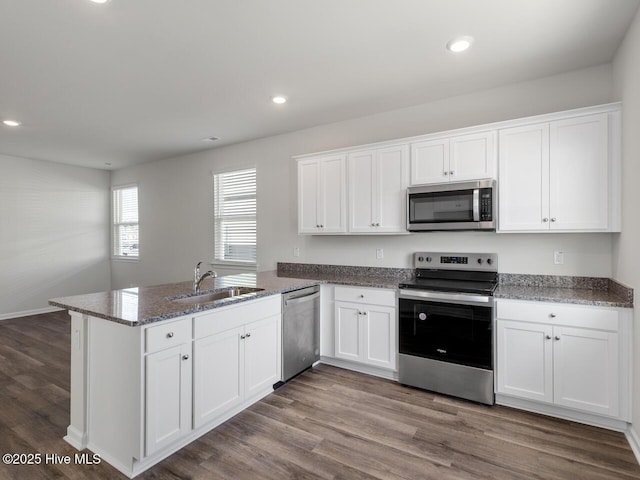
452 206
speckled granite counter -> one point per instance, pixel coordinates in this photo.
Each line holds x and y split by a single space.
602 292
549 288
140 306
377 277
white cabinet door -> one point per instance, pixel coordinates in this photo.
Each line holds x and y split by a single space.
347 331
430 162
472 156
362 194
380 336
168 396
525 360
308 196
333 197
578 173
377 190
366 333
392 179
262 360
218 385
524 173
586 370
555 176
322 195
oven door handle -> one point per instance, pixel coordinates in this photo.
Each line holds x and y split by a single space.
450 297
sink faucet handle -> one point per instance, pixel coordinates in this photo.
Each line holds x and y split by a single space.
196 272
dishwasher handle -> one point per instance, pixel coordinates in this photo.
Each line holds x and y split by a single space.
297 300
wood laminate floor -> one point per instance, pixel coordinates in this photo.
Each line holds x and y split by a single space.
328 424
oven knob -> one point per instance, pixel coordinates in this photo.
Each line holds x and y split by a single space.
480 261
422 316
421 259
428 259
489 261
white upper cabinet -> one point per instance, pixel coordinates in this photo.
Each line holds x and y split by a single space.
561 175
452 159
322 207
377 190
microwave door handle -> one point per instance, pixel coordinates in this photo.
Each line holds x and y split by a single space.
476 204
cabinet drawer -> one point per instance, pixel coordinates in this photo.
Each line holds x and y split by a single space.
571 315
168 335
374 296
224 318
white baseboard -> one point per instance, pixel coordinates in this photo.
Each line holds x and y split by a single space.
634 441
27 313
360 368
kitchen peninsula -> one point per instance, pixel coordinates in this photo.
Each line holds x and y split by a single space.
152 369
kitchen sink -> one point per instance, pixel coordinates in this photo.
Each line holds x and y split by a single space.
217 295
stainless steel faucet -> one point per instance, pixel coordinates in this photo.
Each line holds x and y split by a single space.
197 278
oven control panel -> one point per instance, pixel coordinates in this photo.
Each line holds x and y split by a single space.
456 261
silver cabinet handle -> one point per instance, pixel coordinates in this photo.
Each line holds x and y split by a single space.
361 296
446 173
545 219
242 337
548 337
553 219
248 335
365 313
170 335
557 337
451 172
552 315
185 357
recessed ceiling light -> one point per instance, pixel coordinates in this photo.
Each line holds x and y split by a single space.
12 123
210 139
460 44
100 1
279 99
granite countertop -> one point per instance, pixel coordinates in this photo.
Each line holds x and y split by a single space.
603 292
144 305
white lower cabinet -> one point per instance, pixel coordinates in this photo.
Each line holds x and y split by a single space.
569 356
233 366
365 326
168 396
141 393
217 380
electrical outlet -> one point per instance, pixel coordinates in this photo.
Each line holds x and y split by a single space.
296 252
379 253
558 257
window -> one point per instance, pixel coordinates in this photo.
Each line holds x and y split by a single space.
125 222
234 207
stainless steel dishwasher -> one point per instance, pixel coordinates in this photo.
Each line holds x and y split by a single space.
300 330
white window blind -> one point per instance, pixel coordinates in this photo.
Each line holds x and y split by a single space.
125 222
234 206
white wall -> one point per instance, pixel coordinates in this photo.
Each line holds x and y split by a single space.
54 233
175 194
626 259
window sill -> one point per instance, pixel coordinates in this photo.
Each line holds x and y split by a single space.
125 259
237 265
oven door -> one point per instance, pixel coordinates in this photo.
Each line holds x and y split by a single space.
452 328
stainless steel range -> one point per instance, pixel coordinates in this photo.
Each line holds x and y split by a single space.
445 324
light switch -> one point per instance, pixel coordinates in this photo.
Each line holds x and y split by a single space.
296 251
379 253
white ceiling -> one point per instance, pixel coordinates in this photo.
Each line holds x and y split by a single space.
136 80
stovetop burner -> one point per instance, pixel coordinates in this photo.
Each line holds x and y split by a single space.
454 272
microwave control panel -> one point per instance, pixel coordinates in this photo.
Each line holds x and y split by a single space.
486 205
